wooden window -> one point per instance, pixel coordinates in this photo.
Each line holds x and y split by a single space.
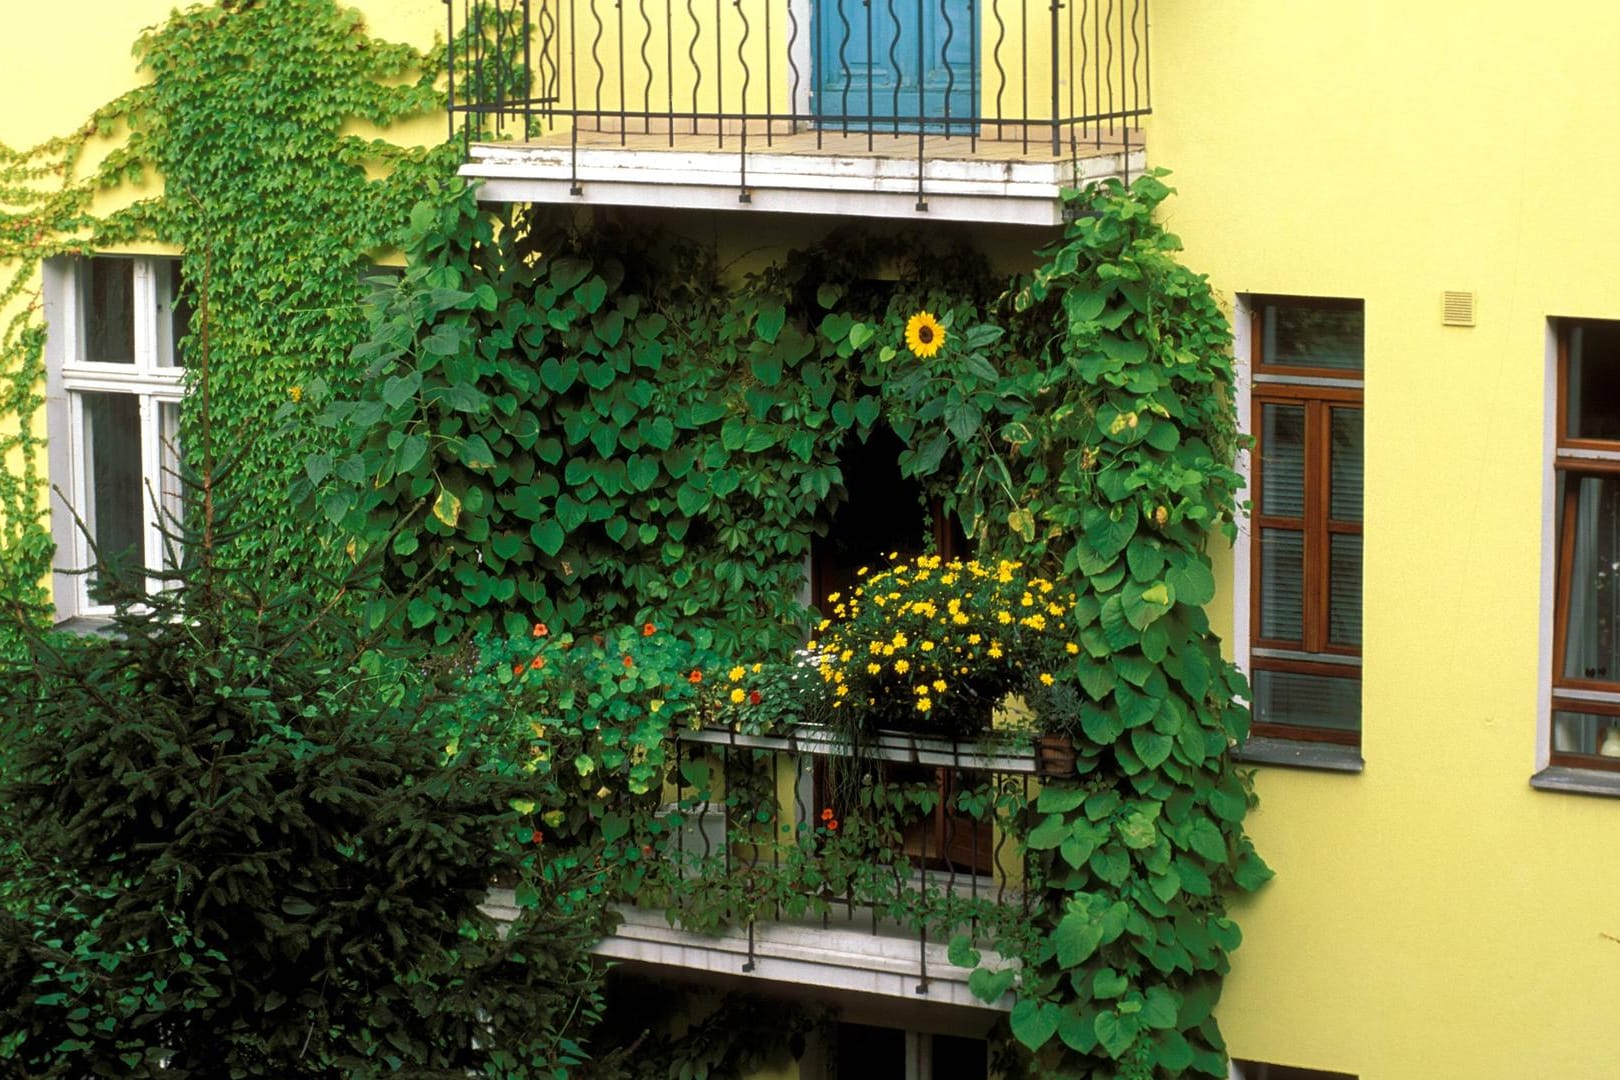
1586 601
1305 571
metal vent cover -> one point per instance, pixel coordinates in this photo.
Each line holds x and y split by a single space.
1457 308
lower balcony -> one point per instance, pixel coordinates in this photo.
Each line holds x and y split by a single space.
802 861
970 110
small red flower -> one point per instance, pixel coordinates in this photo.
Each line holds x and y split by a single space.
629 662
648 629
695 678
537 663
537 837
541 630
832 826
517 669
754 697
826 813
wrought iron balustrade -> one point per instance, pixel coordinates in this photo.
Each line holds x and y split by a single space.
929 78
905 837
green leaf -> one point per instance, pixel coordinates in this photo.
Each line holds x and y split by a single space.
1151 747
1115 1033
1051 832
1144 603
962 953
447 507
1034 1022
548 536
1076 937
1108 983
1057 798
988 986
1206 840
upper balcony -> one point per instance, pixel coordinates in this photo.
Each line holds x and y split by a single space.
965 110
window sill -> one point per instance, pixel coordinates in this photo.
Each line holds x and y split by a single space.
86 625
1301 754
1577 781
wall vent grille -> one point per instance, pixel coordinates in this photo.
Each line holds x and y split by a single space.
1457 308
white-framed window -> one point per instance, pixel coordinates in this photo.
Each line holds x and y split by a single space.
115 379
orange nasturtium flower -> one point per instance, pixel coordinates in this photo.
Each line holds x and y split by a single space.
648 629
541 630
695 678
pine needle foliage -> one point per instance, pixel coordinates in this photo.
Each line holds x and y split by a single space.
238 849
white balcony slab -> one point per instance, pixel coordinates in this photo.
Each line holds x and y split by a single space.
986 182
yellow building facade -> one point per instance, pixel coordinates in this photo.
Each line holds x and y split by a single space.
1443 905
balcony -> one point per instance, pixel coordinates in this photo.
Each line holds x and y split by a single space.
800 860
969 110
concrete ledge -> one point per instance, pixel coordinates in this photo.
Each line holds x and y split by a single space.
1301 754
1577 781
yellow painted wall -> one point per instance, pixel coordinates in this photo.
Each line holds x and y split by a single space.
1433 916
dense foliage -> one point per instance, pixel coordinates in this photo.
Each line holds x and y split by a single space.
239 849
556 432
253 121
582 430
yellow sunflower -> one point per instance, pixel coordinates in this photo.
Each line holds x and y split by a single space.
924 335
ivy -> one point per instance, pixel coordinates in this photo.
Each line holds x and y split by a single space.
250 120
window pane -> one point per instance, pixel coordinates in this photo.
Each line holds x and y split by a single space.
1592 621
1301 335
1317 701
1282 584
1344 502
109 311
169 481
176 307
1586 733
1282 460
112 434
1344 589
1592 392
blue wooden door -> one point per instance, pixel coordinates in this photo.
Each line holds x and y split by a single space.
892 65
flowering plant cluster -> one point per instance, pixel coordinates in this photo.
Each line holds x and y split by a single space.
589 716
771 697
936 646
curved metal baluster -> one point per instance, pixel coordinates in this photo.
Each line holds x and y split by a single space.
691 56
546 69
573 100
894 63
596 58
843 63
618 41
669 69
945 58
871 90
770 82
1023 75
646 90
719 72
973 76
1109 38
995 56
793 69
748 78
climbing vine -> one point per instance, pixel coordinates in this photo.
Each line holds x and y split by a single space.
251 120
568 427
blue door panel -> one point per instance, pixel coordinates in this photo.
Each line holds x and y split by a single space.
894 64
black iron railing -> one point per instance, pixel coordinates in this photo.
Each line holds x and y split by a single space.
1051 77
903 836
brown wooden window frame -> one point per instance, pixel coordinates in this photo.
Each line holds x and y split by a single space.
1574 458
1319 390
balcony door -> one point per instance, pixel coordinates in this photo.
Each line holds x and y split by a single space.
892 65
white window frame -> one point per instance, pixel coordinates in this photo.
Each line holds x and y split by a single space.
155 379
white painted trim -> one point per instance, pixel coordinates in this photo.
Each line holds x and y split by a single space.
1242 548
1549 543
856 961
1022 192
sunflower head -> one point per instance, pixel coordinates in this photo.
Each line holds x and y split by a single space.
924 335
